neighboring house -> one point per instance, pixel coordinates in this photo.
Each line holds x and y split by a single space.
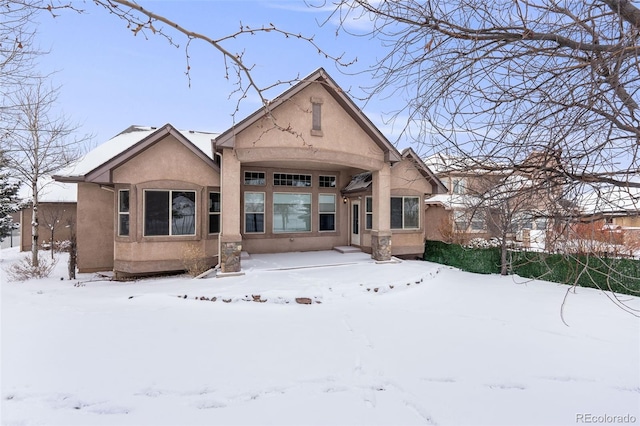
313 174
486 200
614 213
56 214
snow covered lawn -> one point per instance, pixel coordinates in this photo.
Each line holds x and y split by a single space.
440 347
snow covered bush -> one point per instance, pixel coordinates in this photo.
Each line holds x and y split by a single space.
482 243
24 269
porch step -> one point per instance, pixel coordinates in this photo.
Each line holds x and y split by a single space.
347 249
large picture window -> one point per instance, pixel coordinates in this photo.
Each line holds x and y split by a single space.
214 213
405 212
291 212
169 213
327 208
123 213
254 212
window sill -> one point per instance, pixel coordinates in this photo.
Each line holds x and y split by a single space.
316 133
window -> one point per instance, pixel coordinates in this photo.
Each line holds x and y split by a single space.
327 181
253 212
316 112
368 212
405 212
458 185
169 213
469 221
291 212
287 179
123 212
327 209
214 212
254 178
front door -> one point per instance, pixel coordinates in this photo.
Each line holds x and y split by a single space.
355 223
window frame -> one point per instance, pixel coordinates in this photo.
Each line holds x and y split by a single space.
333 213
403 213
263 212
322 183
368 212
122 213
273 213
279 177
214 213
170 193
252 175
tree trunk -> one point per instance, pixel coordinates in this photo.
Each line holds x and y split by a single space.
34 227
503 255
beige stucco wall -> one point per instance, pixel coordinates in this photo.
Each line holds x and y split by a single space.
632 221
166 165
95 228
342 140
62 215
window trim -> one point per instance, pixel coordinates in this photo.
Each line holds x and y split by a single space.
334 212
263 213
264 178
123 213
404 227
214 213
170 194
320 182
368 214
273 208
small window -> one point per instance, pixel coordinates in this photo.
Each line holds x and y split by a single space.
254 212
368 210
291 212
169 213
458 185
405 212
327 209
327 181
254 178
123 213
214 213
287 179
317 116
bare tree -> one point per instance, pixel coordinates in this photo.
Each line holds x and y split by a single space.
506 78
39 144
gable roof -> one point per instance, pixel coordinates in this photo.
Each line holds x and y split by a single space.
436 183
129 143
320 76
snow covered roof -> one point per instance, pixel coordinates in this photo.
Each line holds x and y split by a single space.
51 191
126 140
359 182
451 201
611 200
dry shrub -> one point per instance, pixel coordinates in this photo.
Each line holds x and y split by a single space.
24 270
194 259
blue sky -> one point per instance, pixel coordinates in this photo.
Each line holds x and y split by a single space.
112 79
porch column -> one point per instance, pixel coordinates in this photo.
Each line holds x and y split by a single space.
381 232
230 238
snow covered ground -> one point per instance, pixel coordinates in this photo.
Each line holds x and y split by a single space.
432 345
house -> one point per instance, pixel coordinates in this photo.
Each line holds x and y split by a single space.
486 199
311 172
56 214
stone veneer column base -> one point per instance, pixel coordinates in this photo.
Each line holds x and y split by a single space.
381 245
230 256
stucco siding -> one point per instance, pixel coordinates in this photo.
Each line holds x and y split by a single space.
341 140
95 228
